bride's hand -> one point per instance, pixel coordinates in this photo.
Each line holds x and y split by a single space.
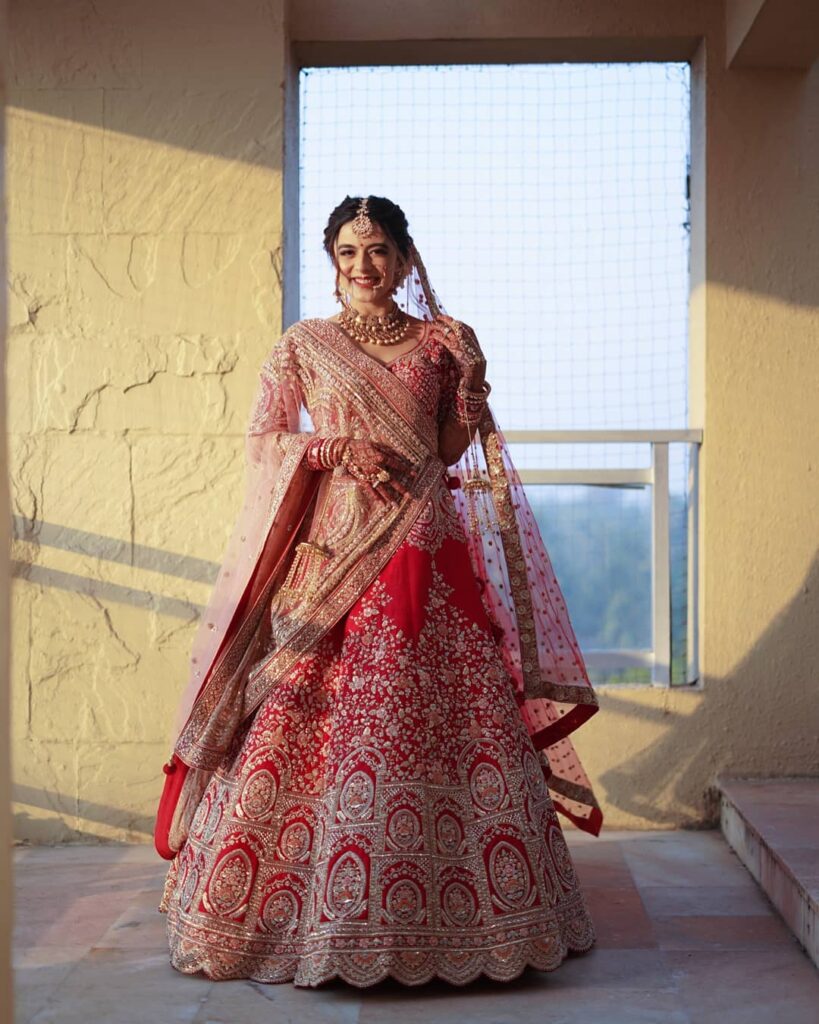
380 468
461 341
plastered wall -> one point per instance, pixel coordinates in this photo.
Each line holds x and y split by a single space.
146 222
6 1003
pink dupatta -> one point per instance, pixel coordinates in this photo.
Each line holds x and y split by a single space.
525 604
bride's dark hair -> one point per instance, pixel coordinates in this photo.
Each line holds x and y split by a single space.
387 214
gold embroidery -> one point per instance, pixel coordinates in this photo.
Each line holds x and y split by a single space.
302 580
518 581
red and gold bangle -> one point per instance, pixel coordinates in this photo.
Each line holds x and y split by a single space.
468 405
332 452
325 452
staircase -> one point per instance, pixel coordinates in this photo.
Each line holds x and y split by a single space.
773 826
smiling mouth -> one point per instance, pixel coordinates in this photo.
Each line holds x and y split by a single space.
366 282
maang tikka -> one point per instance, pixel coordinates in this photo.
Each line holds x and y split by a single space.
362 225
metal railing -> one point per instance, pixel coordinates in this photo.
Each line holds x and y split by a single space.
655 476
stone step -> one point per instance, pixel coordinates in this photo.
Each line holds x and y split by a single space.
773 825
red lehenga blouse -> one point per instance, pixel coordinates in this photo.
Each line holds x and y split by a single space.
384 807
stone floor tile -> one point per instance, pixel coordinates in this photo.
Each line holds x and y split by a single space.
88 853
705 860
714 932
771 986
801 861
63 885
248 1002
66 921
705 901
576 837
620 918
37 974
116 987
676 837
49 956
605 969
534 998
61 889
785 826
139 926
601 865
774 792
606 1008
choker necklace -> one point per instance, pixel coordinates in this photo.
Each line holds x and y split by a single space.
388 329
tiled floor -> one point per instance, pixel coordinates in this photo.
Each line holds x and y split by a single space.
684 937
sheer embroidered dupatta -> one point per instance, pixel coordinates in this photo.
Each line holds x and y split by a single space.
306 545
277 492
526 607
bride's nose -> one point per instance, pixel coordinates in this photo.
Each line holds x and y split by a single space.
363 266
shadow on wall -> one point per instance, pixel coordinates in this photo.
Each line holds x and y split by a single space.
762 716
138 826
112 549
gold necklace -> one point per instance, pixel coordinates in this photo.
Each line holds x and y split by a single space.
388 329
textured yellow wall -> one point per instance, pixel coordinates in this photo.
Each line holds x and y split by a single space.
145 252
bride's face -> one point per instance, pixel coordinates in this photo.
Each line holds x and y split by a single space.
369 267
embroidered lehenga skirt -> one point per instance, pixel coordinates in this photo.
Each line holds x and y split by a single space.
385 813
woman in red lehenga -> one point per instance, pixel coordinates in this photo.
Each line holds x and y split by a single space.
373 743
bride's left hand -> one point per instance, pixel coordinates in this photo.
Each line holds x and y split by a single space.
463 344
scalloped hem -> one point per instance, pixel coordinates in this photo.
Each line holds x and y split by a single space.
488 966
363 970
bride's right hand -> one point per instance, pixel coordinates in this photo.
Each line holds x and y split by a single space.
365 459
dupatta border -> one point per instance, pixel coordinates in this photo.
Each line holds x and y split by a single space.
328 608
393 388
534 685
577 793
593 824
501 495
564 726
572 791
232 652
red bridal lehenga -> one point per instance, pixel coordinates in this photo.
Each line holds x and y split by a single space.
386 810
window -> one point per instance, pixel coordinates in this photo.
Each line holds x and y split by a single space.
550 205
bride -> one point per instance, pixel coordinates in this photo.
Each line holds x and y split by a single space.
373 745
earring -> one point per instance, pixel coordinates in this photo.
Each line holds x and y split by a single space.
342 297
